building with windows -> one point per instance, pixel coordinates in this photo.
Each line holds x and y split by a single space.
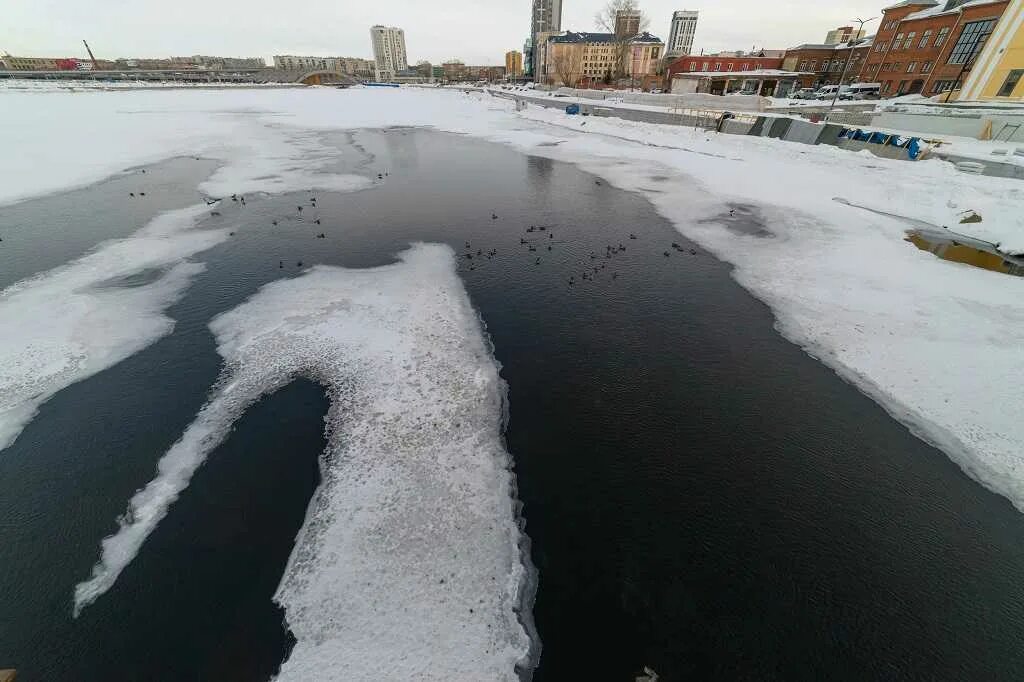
514 64
528 58
680 35
827 63
929 46
998 71
627 22
843 34
580 59
388 51
546 18
722 64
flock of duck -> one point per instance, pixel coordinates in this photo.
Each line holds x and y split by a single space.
539 240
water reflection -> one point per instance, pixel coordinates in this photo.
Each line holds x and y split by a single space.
967 251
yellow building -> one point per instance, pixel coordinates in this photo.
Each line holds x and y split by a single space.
514 64
571 58
30 63
998 72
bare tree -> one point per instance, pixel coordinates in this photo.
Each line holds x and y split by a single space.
568 64
607 19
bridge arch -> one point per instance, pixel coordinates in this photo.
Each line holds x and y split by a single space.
325 77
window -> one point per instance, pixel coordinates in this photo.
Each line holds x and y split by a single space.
972 38
706 65
942 86
878 47
910 40
745 67
941 38
924 39
693 66
896 41
730 67
896 66
824 65
1011 82
926 67
813 65
718 66
837 65
803 65
911 67
654 53
903 87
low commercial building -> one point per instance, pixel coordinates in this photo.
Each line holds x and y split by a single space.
998 72
737 62
764 82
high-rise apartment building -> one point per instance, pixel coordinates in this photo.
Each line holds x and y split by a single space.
843 34
627 23
680 36
388 51
514 64
546 18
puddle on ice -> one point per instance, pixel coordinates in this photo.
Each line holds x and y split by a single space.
744 219
963 249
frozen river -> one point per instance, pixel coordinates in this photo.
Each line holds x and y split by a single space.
699 495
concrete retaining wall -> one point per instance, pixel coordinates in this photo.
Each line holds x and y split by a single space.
930 124
684 101
803 132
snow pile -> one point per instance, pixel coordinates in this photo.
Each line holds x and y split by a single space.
69 323
409 563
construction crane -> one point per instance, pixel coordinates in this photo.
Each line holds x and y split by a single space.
95 66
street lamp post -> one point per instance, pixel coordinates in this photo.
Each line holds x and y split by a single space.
849 59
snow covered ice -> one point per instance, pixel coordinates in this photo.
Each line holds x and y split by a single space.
409 563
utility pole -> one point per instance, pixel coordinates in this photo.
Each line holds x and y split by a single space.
95 66
849 59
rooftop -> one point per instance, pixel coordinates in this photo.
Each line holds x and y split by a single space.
910 3
584 37
948 7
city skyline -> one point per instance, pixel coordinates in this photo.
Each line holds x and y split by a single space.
259 28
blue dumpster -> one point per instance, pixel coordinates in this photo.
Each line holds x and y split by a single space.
572 109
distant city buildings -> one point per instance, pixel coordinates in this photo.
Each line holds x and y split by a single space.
514 64
843 34
388 51
353 66
680 35
194 63
546 18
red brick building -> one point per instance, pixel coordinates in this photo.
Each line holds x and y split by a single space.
827 62
702 63
927 46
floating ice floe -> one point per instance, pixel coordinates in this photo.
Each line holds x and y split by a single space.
410 562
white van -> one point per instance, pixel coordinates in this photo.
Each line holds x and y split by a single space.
829 91
864 91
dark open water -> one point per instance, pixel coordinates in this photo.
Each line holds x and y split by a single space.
702 497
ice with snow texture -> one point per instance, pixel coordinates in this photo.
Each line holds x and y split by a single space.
409 564
65 325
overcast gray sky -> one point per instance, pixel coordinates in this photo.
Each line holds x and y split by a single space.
476 31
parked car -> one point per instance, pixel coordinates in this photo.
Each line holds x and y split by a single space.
803 93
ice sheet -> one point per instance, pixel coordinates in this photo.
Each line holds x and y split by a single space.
409 564
66 324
